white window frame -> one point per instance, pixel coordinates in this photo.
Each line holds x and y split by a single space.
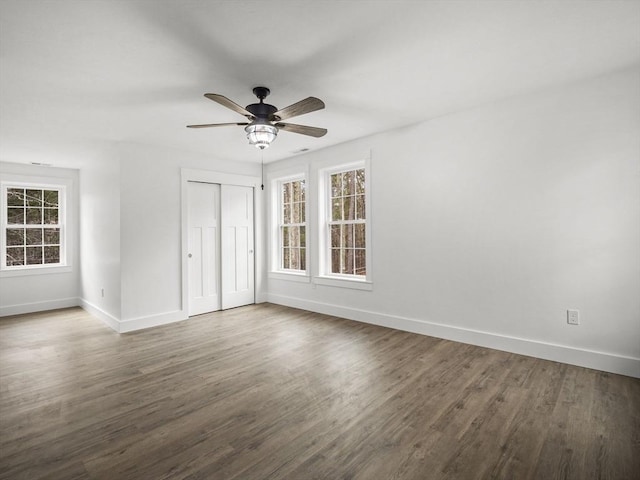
325 276
277 270
37 184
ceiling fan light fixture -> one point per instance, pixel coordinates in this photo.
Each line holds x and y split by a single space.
261 135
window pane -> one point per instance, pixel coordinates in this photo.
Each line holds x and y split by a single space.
359 241
51 254
335 260
336 185
34 255
15 216
286 193
34 236
361 263
285 236
303 213
15 197
349 208
335 236
51 236
286 258
303 190
51 216
360 187
336 209
296 191
286 217
347 236
297 215
34 216
34 198
303 237
347 261
295 259
303 259
15 236
50 198
360 207
15 256
294 236
349 183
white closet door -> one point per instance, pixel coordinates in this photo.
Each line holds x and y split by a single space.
237 246
204 247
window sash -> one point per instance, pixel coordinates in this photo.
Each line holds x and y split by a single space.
346 251
292 225
33 238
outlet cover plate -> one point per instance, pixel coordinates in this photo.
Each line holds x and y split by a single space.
573 317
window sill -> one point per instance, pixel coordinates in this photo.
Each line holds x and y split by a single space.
290 276
354 283
20 272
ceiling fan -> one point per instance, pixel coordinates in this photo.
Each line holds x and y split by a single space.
266 120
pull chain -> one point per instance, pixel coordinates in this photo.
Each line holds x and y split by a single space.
262 164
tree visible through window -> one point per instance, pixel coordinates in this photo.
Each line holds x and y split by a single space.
293 225
347 223
33 226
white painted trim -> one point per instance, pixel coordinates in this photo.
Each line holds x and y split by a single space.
109 320
290 276
607 362
343 282
133 324
36 270
39 306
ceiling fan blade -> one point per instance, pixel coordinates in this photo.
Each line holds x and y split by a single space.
225 102
310 104
207 125
302 129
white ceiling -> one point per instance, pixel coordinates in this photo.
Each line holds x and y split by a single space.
78 75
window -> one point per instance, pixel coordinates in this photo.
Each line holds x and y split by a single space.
346 223
292 225
33 226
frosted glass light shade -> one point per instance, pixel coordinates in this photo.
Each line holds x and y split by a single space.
261 135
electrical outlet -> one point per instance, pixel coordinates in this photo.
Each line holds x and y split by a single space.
573 317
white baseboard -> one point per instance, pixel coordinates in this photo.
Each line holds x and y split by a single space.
139 323
133 324
39 306
100 314
606 362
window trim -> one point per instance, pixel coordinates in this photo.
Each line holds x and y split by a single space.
276 271
325 276
63 186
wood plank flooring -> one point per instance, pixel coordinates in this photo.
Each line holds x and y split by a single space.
269 392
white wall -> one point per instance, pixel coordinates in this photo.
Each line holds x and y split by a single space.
490 223
100 236
29 292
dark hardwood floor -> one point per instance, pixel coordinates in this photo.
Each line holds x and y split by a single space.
269 392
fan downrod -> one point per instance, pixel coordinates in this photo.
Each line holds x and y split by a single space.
261 92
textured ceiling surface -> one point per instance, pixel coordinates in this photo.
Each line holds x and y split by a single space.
79 75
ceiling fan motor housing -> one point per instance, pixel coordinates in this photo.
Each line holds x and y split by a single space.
262 111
